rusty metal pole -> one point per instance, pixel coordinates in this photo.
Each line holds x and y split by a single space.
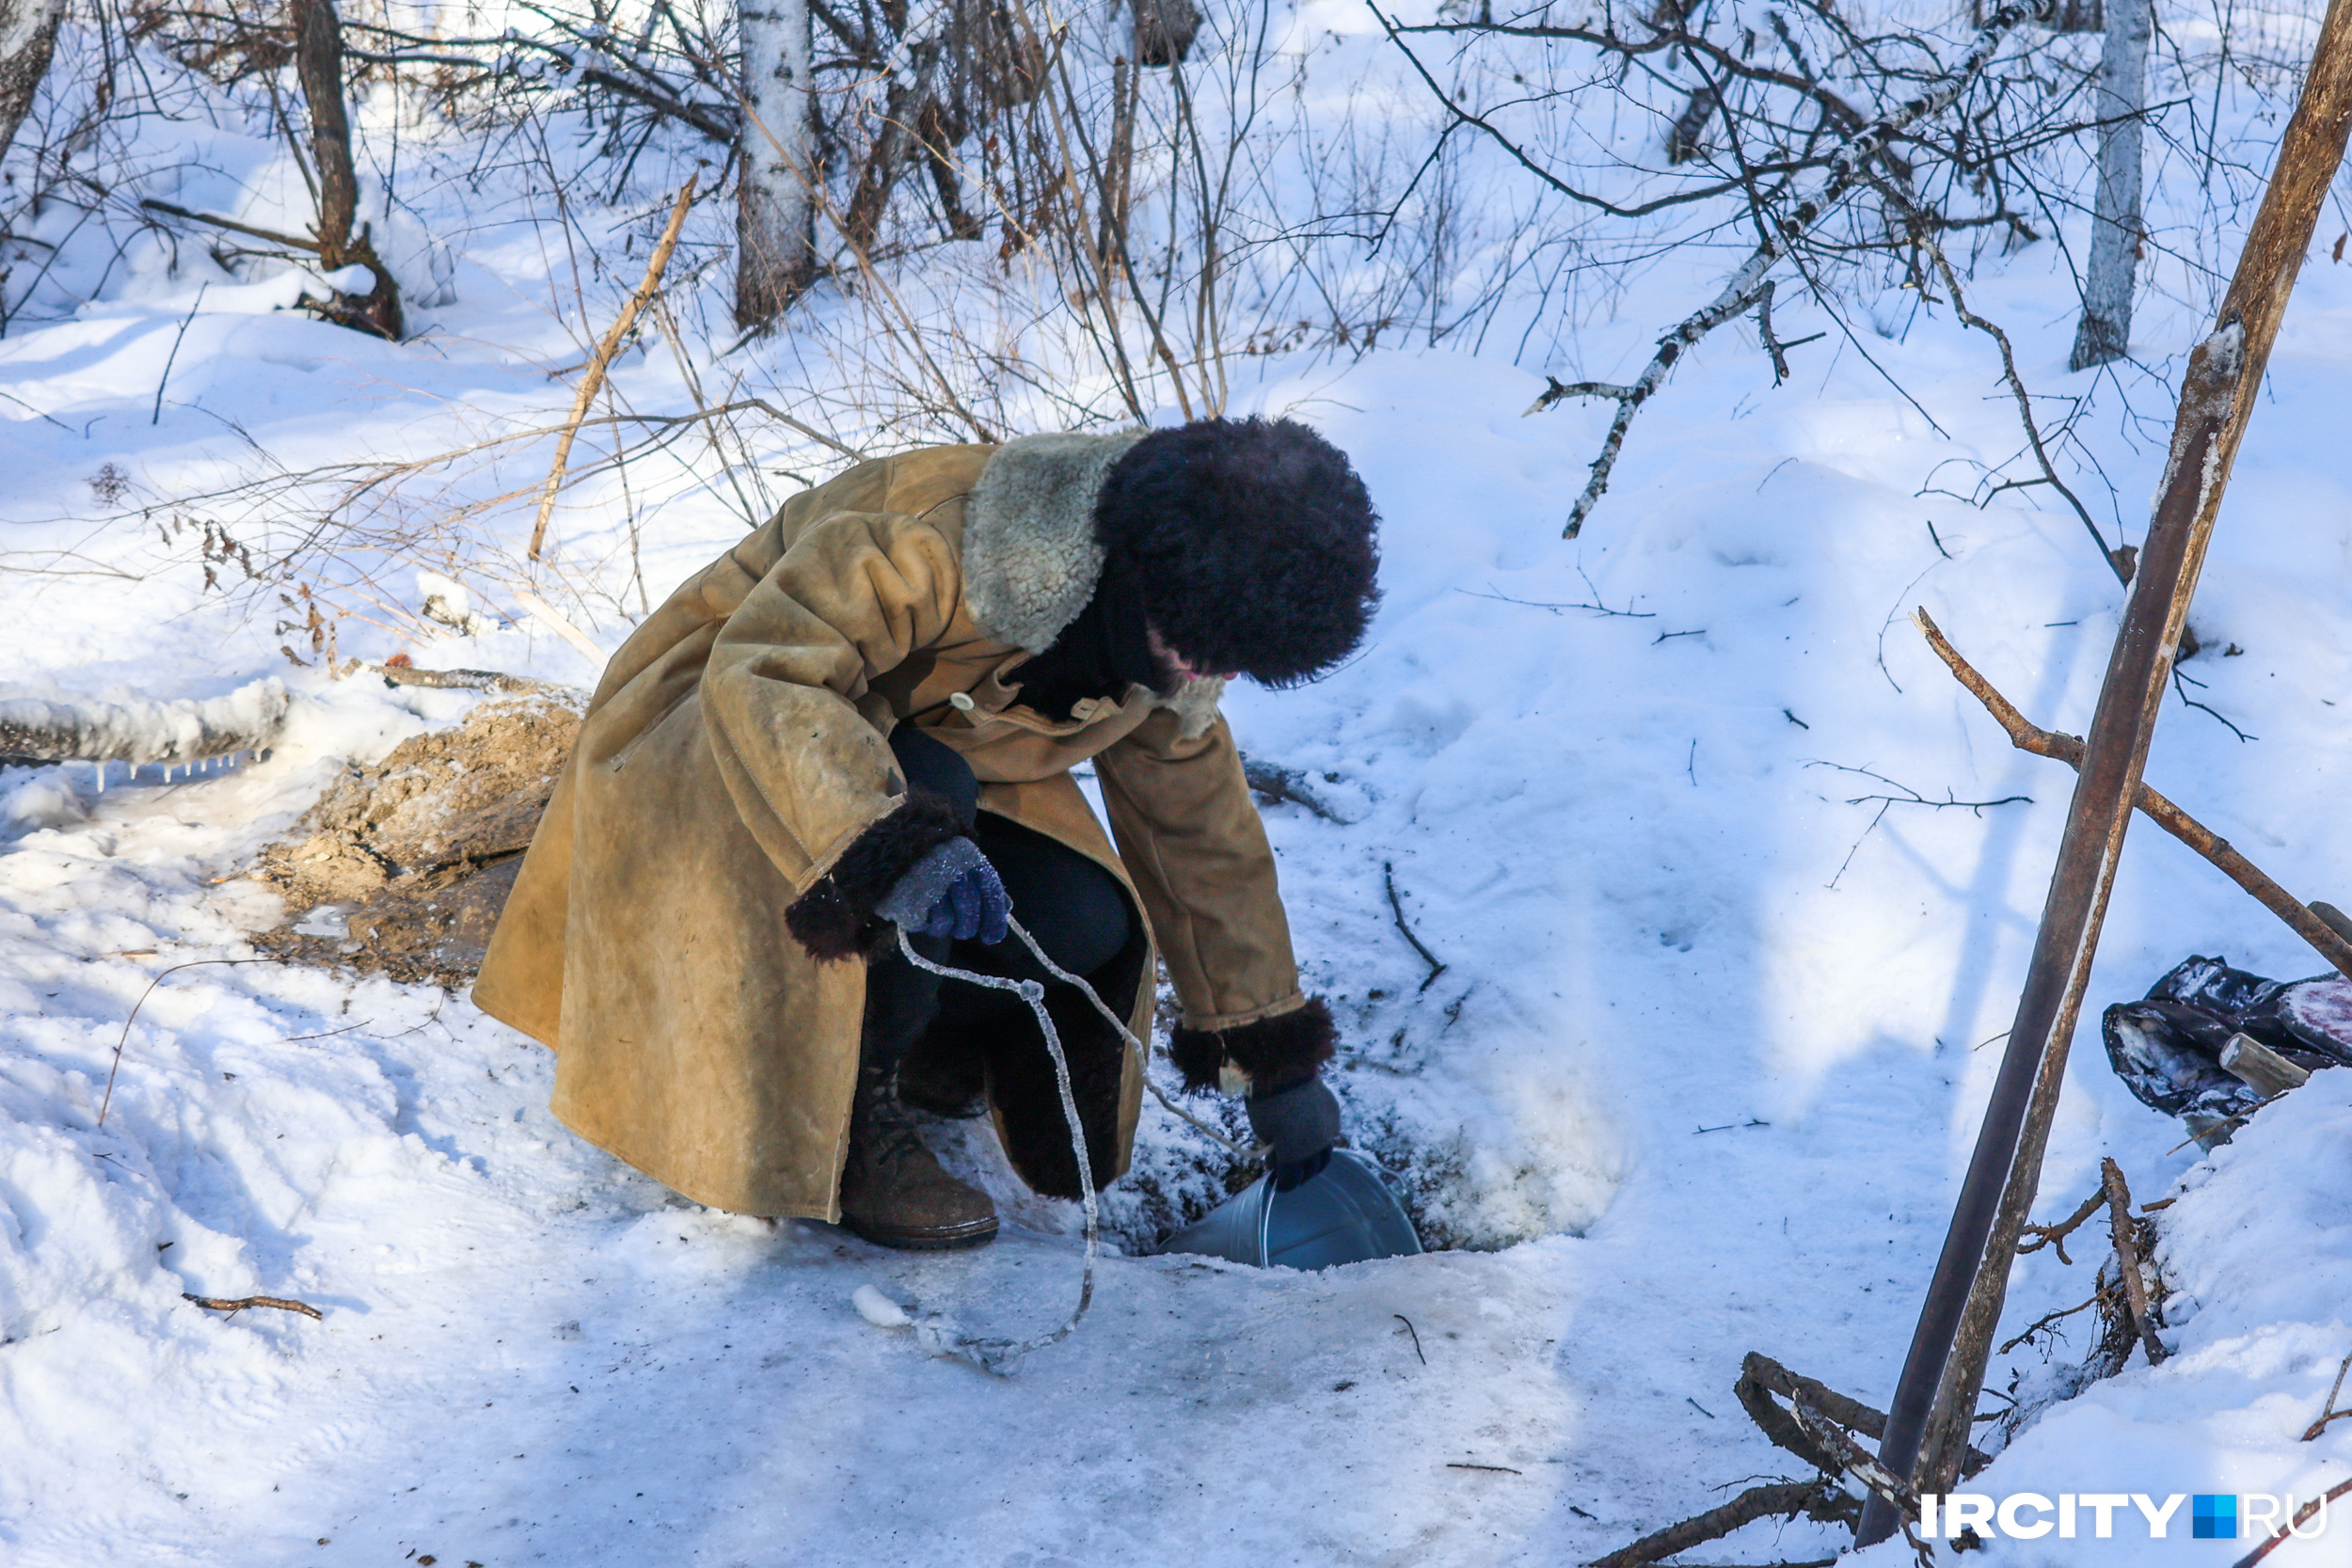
1934 1403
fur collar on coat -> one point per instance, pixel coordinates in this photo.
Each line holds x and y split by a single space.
1030 558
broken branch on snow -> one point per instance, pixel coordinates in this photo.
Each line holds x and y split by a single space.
1760 1377
241 1303
1816 1429
1856 1460
1396 906
2331 1413
2119 1198
1278 784
2302 1517
1816 1499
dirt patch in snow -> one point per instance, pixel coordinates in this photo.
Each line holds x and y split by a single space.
403 868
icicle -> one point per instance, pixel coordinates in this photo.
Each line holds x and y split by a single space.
102 778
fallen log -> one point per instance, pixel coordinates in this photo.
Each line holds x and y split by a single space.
37 729
459 680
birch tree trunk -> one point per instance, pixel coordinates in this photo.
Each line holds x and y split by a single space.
2105 332
28 32
775 254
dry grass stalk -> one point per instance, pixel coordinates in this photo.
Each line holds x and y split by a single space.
593 378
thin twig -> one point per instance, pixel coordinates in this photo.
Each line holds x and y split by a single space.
594 377
1414 1332
109 1099
2181 691
2054 1235
1911 797
2302 1517
173 358
281 1303
1396 906
2048 1320
1555 607
2117 560
1499 1470
2331 1413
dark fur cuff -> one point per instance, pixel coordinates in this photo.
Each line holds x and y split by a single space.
835 919
1277 1052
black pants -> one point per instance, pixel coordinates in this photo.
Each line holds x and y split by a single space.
1075 910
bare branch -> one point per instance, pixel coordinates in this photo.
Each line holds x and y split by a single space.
2028 736
594 377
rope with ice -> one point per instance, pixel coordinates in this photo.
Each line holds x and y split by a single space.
941 1335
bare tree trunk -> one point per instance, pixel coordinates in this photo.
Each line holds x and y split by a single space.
28 32
319 67
2105 332
776 213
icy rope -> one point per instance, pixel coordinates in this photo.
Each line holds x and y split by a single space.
1001 1356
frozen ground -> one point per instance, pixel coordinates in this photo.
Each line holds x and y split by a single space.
1698 1077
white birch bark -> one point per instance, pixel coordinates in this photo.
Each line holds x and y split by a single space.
29 34
776 212
2105 332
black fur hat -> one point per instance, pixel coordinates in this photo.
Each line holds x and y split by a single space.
1251 543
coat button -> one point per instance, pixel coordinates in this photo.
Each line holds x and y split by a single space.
961 700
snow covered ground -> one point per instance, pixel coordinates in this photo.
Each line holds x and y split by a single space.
1698 1078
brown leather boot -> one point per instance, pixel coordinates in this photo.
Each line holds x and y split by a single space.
892 1191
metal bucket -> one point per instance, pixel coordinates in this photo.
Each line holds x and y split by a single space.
1344 1213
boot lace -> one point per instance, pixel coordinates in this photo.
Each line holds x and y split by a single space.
891 1135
